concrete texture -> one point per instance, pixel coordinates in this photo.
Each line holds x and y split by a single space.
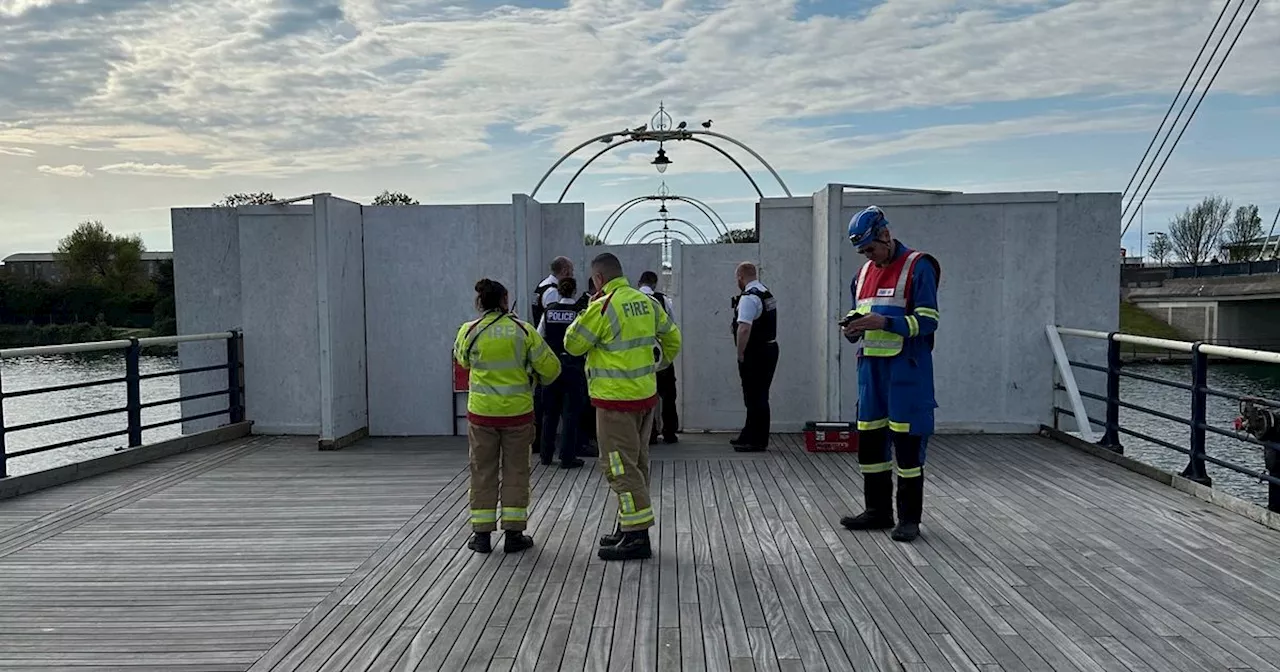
339 232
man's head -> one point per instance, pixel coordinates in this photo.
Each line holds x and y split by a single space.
746 274
869 233
562 267
649 279
605 267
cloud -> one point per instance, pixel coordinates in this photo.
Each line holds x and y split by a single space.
151 169
64 171
17 151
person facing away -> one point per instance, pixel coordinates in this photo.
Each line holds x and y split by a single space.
505 357
755 333
544 294
616 333
670 418
895 315
564 399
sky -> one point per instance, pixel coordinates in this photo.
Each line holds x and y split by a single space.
118 110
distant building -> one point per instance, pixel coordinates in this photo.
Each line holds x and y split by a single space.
45 265
1268 247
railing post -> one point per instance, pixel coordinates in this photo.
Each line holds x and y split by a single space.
1111 438
1272 458
235 401
133 392
4 451
1195 470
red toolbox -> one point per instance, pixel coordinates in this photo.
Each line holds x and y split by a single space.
830 437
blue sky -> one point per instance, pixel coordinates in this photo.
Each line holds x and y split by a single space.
118 110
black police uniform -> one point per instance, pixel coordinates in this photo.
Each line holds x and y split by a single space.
535 315
566 396
666 390
759 362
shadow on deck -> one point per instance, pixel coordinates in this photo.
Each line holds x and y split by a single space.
266 554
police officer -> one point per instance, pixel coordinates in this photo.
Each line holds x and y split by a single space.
499 351
617 333
545 294
670 423
755 333
895 315
565 398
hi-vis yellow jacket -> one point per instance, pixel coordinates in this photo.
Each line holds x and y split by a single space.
617 333
504 356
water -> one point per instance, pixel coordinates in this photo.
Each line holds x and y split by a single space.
46 371
30 372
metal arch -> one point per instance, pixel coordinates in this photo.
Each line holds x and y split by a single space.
750 151
644 237
568 154
583 167
607 227
735 162
687 223
742 169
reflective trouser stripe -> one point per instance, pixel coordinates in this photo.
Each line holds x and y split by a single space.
877 468
900 427
615 464
481 516
868 425
640 517
511 513
913 472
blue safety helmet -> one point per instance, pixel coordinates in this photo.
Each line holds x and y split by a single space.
865 225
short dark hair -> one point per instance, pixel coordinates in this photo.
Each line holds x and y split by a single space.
607 265
560 264
649 278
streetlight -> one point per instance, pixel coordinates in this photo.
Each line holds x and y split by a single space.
661 161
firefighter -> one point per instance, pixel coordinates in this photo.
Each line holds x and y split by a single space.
506 358
563 400
617 333
895 315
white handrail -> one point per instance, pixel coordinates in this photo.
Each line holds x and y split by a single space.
1249 354
1069 382
101 346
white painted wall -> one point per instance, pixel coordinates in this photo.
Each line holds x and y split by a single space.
785 258
339 231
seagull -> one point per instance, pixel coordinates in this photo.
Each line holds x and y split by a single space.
607 140
640 129
706 124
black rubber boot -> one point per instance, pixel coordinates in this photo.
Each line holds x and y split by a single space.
634 546
910 504
516 541
878 495
480 543
614 538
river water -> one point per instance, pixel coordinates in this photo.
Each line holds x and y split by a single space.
31 372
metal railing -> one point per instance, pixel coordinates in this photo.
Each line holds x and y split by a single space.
1199 388
132 380
1228 269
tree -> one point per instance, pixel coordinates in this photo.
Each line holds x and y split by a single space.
1245 228
1160 248
739 236
394 198
245 198
92 255
165 312
1195 233
591 239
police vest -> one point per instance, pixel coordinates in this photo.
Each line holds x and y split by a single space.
886 291
504 357
557 317
765 328
536 310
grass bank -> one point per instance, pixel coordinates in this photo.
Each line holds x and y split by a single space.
29 335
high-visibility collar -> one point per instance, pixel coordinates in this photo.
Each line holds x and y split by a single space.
615 284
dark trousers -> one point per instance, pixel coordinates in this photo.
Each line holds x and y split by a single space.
756 371
667 394
563 402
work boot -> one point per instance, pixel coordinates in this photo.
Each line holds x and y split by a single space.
878 495
480 543
612 539
516 541
910 504
634 546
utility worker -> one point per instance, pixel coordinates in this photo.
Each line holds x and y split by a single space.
670 417
616 333
505 358
755 333
545 294
564 398
895 314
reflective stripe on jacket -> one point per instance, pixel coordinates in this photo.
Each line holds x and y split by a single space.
504 357
617 333
912 311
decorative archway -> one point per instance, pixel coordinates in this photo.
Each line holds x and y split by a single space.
660 130
665 228
664 194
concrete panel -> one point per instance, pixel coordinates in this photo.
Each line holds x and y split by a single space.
281 332
785 258
636 259
421 266
206 279
562 234
340 290
712 392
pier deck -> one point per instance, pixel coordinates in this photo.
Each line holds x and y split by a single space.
266 554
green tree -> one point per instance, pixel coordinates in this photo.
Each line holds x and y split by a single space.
592 239
1195 233
165 313
394 198
1160 247
1245 228
739 236
92 255
245 198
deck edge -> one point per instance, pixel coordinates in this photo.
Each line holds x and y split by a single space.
15 486
1222 500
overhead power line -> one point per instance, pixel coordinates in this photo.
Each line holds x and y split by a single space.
1231 47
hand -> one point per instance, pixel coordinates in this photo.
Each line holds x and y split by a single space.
850 330
740 357
868 322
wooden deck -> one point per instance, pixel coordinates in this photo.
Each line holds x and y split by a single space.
270 555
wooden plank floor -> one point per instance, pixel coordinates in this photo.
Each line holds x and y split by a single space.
266 554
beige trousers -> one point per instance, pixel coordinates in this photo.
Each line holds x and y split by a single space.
624 459
500 470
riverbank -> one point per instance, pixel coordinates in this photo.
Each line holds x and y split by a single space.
29 335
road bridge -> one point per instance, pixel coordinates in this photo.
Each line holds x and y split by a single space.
1238 310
